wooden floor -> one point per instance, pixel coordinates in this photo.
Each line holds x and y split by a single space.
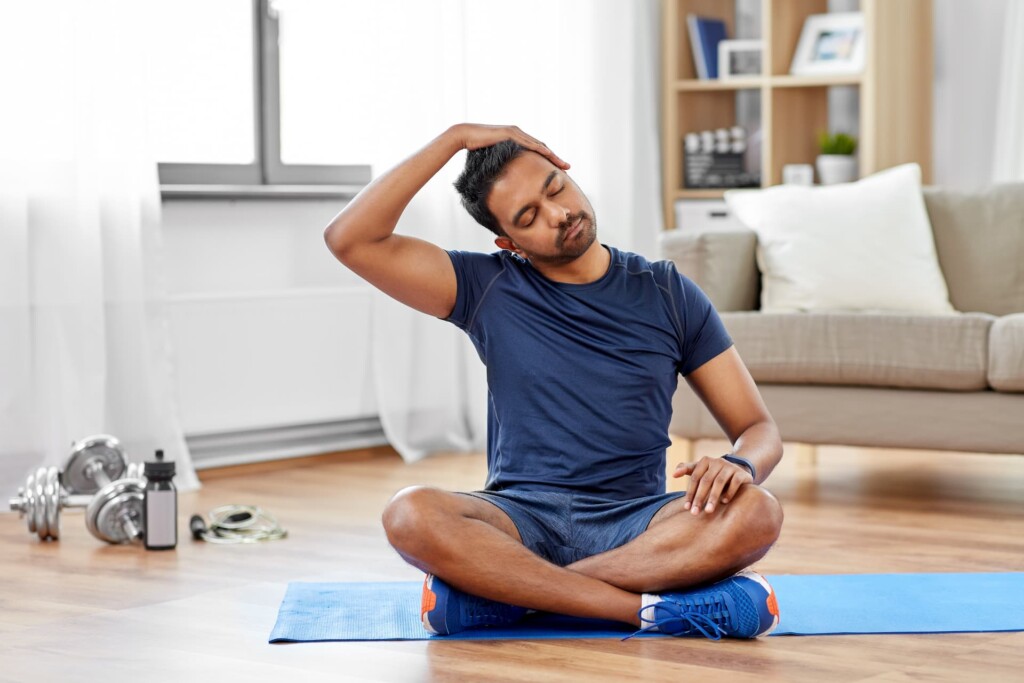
78 610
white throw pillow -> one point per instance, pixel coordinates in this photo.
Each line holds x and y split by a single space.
859 246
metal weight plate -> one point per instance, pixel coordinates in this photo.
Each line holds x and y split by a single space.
38 509
52 493
100 448
29 502
115 501
39 502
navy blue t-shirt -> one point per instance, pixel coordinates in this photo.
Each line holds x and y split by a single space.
580 377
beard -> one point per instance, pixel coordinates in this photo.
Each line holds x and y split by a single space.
567 251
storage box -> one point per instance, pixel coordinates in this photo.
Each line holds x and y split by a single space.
704 170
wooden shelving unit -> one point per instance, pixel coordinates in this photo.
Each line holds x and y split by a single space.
895 90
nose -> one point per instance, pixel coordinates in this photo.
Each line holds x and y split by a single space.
558 215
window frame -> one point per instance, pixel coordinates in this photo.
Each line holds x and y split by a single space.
267 168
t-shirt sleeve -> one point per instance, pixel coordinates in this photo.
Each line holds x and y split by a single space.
473 274
703 334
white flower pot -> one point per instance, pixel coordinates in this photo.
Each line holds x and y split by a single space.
836 168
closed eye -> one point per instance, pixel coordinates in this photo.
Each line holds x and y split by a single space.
534 215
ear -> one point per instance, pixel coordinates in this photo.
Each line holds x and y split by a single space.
508 245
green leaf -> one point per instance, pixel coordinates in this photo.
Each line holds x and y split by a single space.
837 143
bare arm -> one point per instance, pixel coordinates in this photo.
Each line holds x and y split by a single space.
413 271
724 384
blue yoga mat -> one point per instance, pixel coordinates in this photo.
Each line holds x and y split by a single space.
809 605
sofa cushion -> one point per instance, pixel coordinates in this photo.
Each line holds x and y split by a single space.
886 349
1006 353
861 246
979 237
720 262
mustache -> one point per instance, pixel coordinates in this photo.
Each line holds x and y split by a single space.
564 226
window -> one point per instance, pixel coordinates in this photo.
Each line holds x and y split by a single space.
243 92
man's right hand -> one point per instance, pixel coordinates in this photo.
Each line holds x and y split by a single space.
476 135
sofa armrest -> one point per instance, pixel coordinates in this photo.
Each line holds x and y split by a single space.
720 262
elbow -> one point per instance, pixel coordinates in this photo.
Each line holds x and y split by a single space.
334 238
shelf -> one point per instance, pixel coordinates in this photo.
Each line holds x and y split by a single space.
693 84
893 118
698 194
814 81
751 82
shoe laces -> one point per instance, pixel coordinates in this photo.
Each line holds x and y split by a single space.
707 614
480 611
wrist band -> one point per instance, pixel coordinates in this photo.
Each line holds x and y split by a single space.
737 460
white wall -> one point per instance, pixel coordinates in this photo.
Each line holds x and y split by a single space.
968 51
268 328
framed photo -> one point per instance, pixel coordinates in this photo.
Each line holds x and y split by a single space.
738 58
830 44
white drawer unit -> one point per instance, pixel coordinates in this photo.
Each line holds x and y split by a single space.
705 214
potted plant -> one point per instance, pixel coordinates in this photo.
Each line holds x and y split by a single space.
836 163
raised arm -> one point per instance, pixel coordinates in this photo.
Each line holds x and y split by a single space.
411 270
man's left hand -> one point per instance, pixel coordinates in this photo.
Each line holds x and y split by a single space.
712 481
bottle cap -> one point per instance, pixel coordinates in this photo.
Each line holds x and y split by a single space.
159 469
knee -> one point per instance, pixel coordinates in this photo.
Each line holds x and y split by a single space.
760 521
407 517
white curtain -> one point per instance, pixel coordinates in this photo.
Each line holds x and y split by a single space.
1009 151
580 75
83 337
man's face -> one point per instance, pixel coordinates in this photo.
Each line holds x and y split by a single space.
545 216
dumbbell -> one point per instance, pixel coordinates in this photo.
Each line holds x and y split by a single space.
113 514
95 462
97 465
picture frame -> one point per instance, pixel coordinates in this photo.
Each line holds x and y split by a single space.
739 58
830 44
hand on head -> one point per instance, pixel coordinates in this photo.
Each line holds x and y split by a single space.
477 135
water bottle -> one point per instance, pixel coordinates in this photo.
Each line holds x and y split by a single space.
160 505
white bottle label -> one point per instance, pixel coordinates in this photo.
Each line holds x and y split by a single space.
161 519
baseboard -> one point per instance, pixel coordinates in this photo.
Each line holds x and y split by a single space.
277 443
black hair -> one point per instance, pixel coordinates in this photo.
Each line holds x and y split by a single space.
483 167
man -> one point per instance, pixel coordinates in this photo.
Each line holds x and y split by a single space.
583 345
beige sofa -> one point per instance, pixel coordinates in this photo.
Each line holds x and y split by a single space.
945 382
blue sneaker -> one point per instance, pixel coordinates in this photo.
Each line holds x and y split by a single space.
742 606
445 610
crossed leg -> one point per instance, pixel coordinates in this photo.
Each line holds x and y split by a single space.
475 547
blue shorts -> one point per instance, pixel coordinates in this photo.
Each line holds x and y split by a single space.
564 526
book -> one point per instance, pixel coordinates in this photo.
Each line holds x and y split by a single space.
705 34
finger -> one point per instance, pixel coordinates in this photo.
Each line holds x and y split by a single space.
554 158
715 494
539 147
526 139
557 160
683 469
700 496
733 488
699 486
695 470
